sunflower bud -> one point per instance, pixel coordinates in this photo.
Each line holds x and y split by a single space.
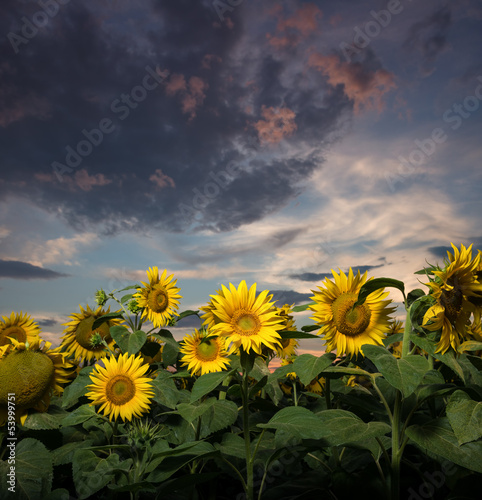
96 340
101 297
133 306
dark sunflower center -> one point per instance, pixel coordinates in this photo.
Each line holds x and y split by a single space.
245 323
15 332
28 375
158 300
208 350
350 321
120 390
451 301
84 332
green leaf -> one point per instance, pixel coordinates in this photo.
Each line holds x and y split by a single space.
447 359
207 383
345 370
106 317
65 453
187 313
310 328
404 374
58 494
130 287
375 284
414 295
77 388
128 342
465 417
438 437
335 427
232 445
290 334
165 390
79 415
48 420
33 470
219 415
190 412
125 298
303 307
308 367
170 351
470 345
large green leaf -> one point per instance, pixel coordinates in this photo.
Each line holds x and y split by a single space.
77 388
207 383
438 437
404 374
191 411
129 342
335 427
308 367
375 284
218 416
107 317
465 417
290 334
79 415
232 445
47 420
165 390
470 345
64 454
303 307
33 470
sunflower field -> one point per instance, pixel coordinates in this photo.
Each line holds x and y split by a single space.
392 409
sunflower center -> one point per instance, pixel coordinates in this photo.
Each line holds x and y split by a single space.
15 332
158 300
245 323
348 321
28 375
84 332
208 350
120 390
451 301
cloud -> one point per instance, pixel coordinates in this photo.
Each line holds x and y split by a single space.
322 276
440 251
277 124
86 182
429 37
161 180
364 86
16 269
47 322
290 297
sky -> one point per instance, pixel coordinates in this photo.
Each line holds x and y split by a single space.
232 140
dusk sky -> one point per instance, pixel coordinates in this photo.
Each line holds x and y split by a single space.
270 141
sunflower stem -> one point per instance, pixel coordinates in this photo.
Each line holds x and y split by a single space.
295 395
247 440
396 449
406 334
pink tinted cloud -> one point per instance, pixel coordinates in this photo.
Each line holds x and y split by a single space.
161 180
208 59
176 83
364 87
192 94
16 108
86 182
278 123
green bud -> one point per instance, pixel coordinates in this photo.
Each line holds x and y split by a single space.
133 307
101 297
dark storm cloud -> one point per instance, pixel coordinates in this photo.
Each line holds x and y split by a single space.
290 297
24 271
429 37
165 160
321 276
47 323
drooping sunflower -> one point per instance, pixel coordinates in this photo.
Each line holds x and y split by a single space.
346 328
20 327
204 352
152 350
453 287
246 320
32 373
121 388
317 385
77 338
158 298
209 318
396 327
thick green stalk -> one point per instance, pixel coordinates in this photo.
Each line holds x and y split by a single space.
406 334
247 438
396 450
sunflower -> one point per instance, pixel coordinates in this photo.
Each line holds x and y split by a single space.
453 287
158 298
204 353
151 351
245 320
20 327
316 385
77 341
209 318
32 373
346 328
287 347
396 327
121 388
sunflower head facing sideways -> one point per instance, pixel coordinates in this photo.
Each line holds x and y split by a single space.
78 336
204 352
121 388
245 319
287 347
33 372
344 327
158 298
20 327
